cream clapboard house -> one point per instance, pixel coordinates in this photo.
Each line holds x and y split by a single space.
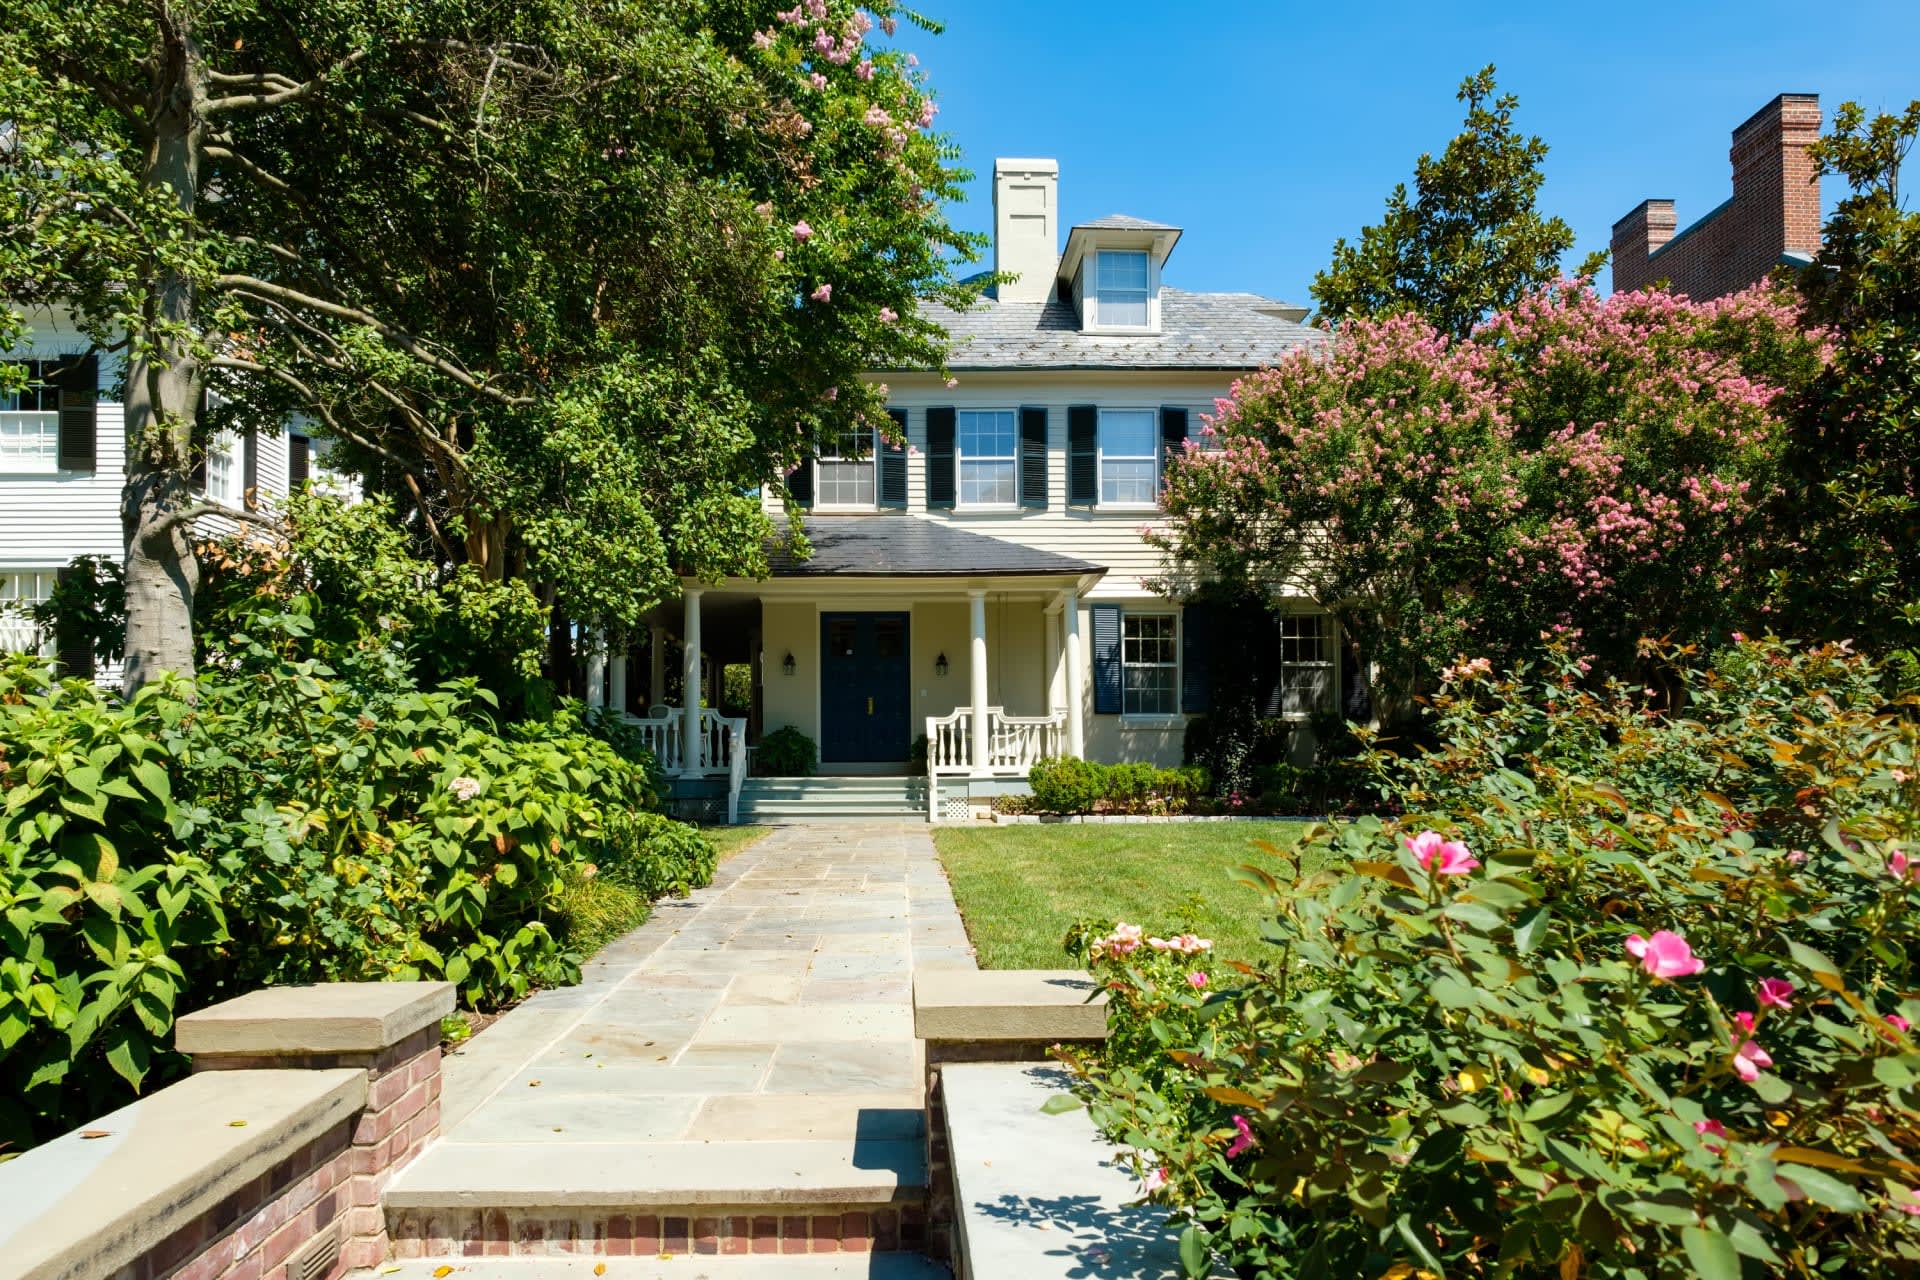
63 453
986 585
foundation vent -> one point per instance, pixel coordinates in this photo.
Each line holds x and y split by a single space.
315 1260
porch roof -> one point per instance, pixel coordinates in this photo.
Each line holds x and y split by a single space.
902 546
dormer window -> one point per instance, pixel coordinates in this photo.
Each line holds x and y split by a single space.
1121 280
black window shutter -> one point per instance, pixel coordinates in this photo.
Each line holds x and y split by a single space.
1196 648
940 487
800 484
893 463
1106 659
1083 455
73 647
250 468
1173 438
1033 457
299 461
79 383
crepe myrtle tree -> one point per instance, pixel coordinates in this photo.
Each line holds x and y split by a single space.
1599 469
571 279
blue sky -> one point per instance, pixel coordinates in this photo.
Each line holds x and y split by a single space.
1268 130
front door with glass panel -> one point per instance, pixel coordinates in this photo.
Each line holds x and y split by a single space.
864 693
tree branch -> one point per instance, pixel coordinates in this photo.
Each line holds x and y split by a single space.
252 170
293 92
208 507
268 291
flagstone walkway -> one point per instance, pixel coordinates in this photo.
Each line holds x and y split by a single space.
752 1043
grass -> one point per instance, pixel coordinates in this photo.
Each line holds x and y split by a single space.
731 840
1021 887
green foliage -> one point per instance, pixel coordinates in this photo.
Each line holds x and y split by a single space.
1066 785
1468 1071
286 819
1856 446
786 753
1469 242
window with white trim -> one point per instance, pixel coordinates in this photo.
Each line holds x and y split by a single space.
1149 664
1307 681
226 468
1129 457
985 441
30 425
843 474
1120 278
20 590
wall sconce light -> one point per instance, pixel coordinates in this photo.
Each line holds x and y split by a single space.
940 666
787 664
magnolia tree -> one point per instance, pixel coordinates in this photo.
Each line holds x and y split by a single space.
1574 466
570 279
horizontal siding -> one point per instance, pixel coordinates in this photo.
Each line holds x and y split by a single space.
1111 538
47 520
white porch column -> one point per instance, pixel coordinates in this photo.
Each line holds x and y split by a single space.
977 670
690 684
1076 728
596 641
657 673
617 680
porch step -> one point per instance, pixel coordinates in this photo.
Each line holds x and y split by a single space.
671 1266
833 799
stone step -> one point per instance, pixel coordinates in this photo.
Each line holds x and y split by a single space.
787 810
831 786
838 1266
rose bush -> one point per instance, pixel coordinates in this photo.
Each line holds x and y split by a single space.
1626 993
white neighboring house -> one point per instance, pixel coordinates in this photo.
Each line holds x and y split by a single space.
63 456
987 585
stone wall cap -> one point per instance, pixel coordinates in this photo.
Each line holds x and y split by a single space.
1008 1004
327 1017
87 1206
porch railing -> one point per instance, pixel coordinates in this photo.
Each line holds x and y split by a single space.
1014 745
720 749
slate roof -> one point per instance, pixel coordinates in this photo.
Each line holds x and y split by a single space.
903 546
1123 222
1231 331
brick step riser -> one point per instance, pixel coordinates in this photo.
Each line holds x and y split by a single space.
649 1232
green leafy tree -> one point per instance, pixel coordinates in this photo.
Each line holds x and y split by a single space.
1469 241
1858 446
571 279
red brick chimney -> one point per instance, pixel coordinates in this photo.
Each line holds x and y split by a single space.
1774 215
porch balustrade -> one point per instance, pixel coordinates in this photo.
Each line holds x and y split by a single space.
719 748
1014 743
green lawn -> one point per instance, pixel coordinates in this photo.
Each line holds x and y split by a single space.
1021 887
728 841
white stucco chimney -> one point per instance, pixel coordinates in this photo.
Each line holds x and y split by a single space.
1026 226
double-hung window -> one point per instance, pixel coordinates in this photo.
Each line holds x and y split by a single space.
30 425
1129 457
225 468
1120 277
987 440
843 473
1150 664
20 590
1306 663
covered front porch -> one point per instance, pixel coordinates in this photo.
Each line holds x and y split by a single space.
954 662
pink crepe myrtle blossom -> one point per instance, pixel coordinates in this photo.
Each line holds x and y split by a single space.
823 294
763 39
1795 857
888 25
952 383
865 69
877 117
1439 855
1776 993
928 110
802 232
1244 1141
888 315
1749 1060
817 80
1664 955
1197 979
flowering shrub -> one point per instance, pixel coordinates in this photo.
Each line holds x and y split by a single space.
1627 993
1605 466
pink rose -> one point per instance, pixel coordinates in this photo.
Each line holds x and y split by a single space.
1156 1180
1197 980
1749 1060
1439 855
1776 992
1898 1023
1244 1141
1711 1128
1664 955
823 294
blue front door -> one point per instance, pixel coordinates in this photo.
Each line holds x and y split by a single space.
864 692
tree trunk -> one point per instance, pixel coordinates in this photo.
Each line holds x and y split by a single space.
163 388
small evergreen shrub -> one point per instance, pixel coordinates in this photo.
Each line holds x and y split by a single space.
786 753
1066 785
